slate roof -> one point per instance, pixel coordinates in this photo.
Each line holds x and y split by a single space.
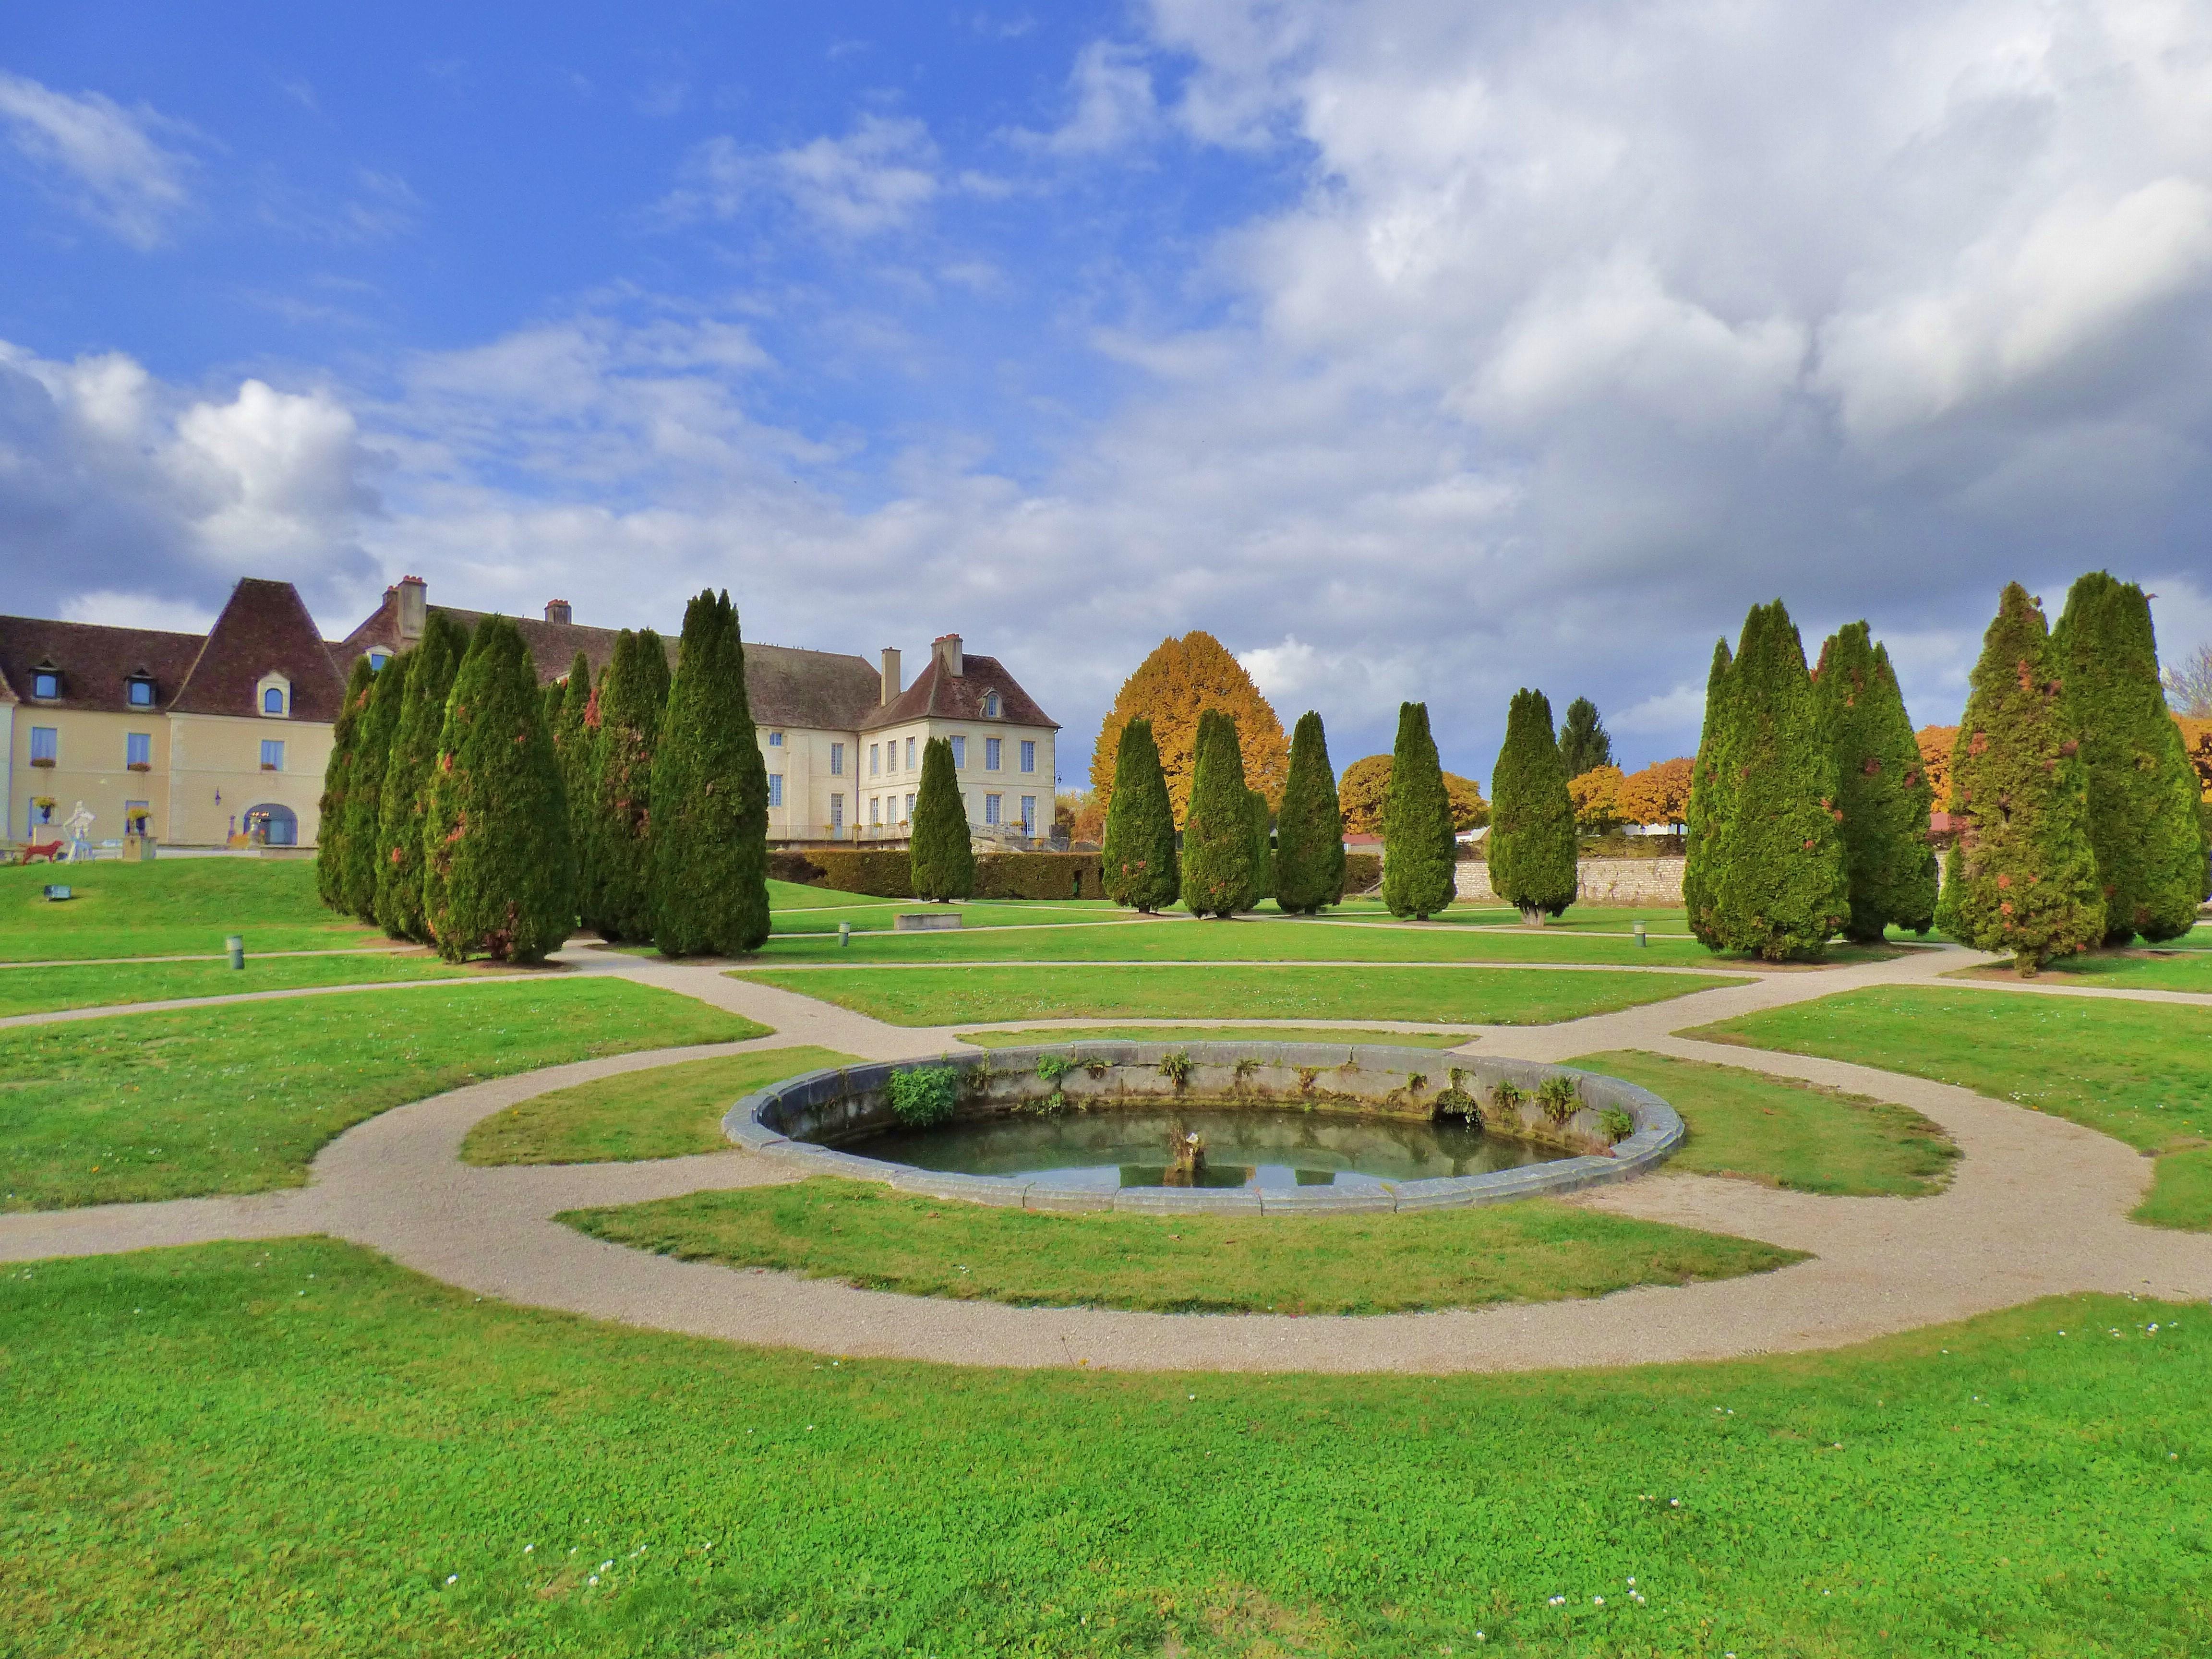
264 627
95 662
936 695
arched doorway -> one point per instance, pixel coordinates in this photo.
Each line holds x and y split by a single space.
272 825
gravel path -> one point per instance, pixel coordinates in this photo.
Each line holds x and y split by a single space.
2036 1205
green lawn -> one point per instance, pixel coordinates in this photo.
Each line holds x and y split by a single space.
238 1098
2180 1192
173 907
1471 996
1785 1134
2171 969
1042 1034
37 990
669 1111
1536 1251
297 1448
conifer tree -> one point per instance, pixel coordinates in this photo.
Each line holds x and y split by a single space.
1139 860
709 831
2143 822
1217 833
556 695
337 771
407 777
1263 846
498 875
1881 787
1419 853
1779 887
616 878
1584 744
2022 875
572 733
941 851
1309 829
1532 848
1712 802
371 758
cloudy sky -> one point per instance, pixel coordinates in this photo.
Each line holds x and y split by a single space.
1416 349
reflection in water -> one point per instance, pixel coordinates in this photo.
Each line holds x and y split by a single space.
1244 1147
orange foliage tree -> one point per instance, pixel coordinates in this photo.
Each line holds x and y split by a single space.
1596 796
1660 793
1361 791
1936 743
1171 687
2197 735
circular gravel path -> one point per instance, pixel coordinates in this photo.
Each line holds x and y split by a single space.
2037 1207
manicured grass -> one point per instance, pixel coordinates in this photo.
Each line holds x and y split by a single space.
669 1111
1786 1133
237 1099
2180 1192
2170 969
947 996
37 990
1536 1251
209 1450
173 907
1042 1034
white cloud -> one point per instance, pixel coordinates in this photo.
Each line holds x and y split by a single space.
109 162
1111 90
114 610
878 177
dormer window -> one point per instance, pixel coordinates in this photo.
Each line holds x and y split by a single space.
990 705
272 701
138 690
46 682
378 657
273 696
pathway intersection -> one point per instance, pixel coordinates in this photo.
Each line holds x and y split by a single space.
2037 1207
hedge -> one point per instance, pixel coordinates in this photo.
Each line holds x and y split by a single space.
883 873
1363 873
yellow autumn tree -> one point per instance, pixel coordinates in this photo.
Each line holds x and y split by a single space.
1936 743
1181 680
1596 796
1366 785
1660 793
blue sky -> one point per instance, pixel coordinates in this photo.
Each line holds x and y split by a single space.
1414 349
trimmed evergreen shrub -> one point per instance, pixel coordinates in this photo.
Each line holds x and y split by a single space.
1584 744
708 834
1777 888
573 730
1138 856
1711 803
1217 835
1419 873
331 809
2022 876
1881 787
1531 847
1263 846
406 796
615 878
1309 829
942 848
2143 827
876 871
1039 876
1362 871
371 757
499 878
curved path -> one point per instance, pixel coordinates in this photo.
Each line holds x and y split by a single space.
2037 1207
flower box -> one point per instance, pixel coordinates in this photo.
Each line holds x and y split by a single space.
138 766
270 766
42 760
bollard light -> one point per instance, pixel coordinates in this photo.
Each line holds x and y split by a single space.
236 946
844 934
1642 937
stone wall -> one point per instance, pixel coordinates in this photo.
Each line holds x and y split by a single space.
1626 882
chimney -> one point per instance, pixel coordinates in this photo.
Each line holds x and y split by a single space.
948 652
414 606
892 687
557 611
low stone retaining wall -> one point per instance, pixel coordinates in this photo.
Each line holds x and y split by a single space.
1624 882
800 1120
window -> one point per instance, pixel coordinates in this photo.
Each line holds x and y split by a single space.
991 808
836 811
837 760
140 690
1029 755
991 749
138 749
775 789
775 739
909 754
875 756
1029 815
272 701
378 657
990 705
45 744
960 753
908 818
272 754
875 811
46 683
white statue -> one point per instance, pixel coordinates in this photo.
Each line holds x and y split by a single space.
78 823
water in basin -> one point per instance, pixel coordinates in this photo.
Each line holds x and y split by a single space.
1244 1147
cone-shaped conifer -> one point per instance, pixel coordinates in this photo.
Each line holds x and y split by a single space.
709 833
1138 860
432 665
1881 787
2022 875
337 771
1419 854
2144 822
1532 846
499 879
942 852
371 758
1217 832
1309 829
1263 846
616 882
572 733
1711 803
1584 744
1779 890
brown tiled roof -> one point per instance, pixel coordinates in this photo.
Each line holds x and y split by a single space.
264 629
95 662
938 695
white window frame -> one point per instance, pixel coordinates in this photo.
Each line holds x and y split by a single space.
992 808
909 754
907 816
1029 815
875 811
1029 754
959 751
775 739
995 753
775 789
272 747
837 760
875 756
133 743
46 744
275 682
837 809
